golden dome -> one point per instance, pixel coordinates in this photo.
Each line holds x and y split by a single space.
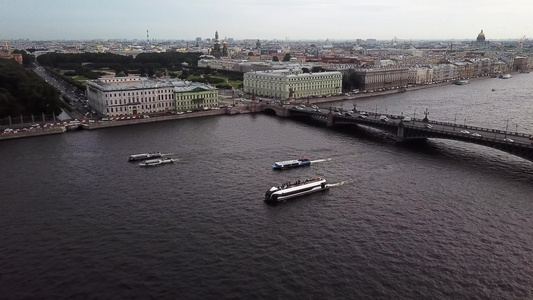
481 36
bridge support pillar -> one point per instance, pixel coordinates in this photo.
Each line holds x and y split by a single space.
329 122
400 134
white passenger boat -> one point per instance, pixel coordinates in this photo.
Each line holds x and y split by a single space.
280 165
143 156
298 188
156 162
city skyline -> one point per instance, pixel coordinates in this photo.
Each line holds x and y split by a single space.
274 19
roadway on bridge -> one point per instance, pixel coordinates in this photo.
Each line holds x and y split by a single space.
441 127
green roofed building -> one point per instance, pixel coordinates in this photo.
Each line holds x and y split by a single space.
190 96
129 96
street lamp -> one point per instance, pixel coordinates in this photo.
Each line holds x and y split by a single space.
454 121
506 127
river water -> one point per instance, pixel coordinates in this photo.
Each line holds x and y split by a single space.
434 220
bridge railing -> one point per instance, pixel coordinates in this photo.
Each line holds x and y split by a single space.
450 124
511 133
463 136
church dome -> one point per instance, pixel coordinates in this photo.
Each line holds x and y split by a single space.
481 36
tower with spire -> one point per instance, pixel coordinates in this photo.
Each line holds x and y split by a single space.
216 51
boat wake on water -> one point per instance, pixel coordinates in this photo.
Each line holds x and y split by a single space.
321 160
340 183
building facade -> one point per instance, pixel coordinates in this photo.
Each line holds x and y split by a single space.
127 96
375 79
420 76
444 72
195 96
285 84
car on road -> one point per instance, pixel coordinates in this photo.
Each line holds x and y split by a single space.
383 118
465 132
428 126
406 119
508 140
476 134
362 116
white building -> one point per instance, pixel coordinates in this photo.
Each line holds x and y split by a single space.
423 75
444 72
284 84
127 96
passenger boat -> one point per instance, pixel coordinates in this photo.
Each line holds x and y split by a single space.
156 162
143 156
291 163
298 188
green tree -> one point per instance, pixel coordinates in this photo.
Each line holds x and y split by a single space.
23 92
355 80
275 58
250 53
287 57
305 70
184 74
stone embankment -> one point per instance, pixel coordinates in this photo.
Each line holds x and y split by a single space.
109 124
32 133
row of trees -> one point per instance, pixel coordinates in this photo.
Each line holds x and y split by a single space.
96 61
22 92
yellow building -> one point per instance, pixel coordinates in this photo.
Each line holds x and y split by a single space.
285 84
194 96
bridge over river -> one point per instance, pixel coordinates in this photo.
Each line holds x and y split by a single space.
519 144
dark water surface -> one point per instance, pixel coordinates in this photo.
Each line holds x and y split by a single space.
437 220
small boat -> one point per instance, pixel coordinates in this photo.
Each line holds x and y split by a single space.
280 165
73 127
462 82
143 156
506 76
156 162
298 188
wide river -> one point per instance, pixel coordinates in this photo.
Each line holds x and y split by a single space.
434 220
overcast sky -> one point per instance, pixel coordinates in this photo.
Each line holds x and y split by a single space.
263 19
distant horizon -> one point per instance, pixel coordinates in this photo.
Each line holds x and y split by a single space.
292 20
274 40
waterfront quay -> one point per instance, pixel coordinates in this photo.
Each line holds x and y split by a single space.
234 106
99 124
